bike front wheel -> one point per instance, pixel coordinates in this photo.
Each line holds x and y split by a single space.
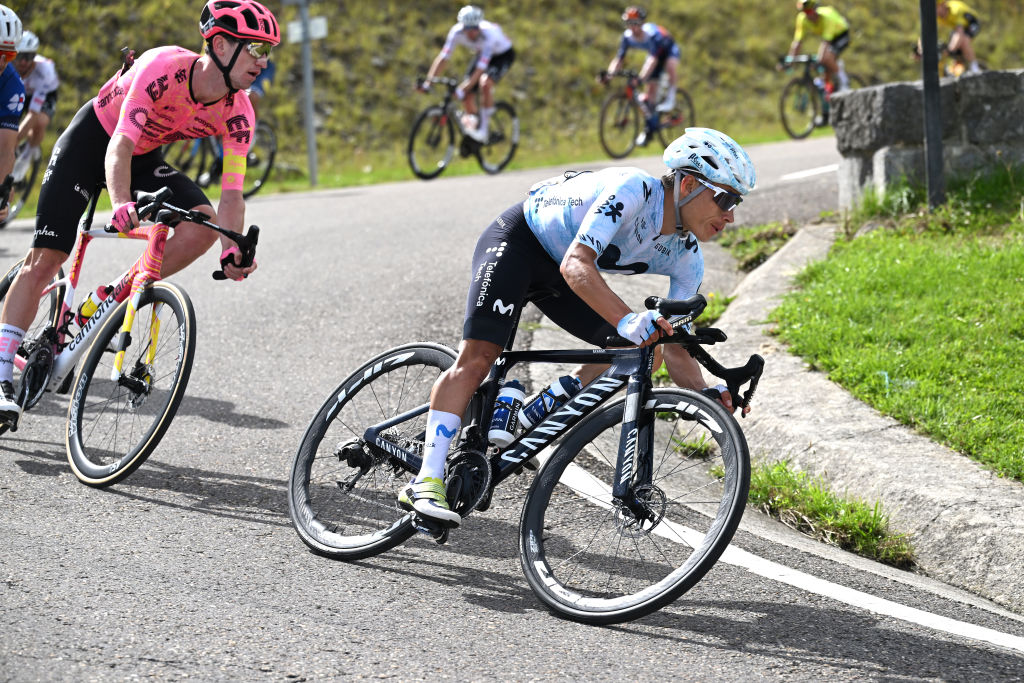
800 108
590 557
674 123
22 187
502 139
619 125
259 161
116 420
431 143
343 492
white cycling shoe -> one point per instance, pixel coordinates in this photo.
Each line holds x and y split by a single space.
10 411
427 498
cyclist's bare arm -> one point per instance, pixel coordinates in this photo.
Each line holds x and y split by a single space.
437 67
117 165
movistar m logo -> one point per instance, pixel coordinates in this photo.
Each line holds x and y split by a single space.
441 431
500 307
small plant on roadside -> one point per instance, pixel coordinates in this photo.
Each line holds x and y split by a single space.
752 246
807 505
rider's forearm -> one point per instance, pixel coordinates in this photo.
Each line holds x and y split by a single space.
794 48
437 67
117 165
231 213
614 65
581 274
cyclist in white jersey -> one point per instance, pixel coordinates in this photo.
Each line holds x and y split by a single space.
41 82
493 56
568 230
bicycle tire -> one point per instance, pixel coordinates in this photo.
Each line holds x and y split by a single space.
502 139
674 123
46 314
799 108
259 161
364 520
113 428
619 125
433 130
580 549
21 189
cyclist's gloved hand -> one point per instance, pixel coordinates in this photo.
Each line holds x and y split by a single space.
231 257
424 86
125 217
604 77
638 327
460 93
720 393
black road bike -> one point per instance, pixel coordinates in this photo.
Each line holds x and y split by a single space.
22 183
202 159
804 105
432 140
639 498
624 115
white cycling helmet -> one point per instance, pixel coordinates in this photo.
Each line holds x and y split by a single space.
29 42
714 156
10 29
470 16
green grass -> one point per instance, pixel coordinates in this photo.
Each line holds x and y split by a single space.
807 505
923 316
753 245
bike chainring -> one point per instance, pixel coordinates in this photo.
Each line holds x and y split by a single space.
469 482
36 374
651 503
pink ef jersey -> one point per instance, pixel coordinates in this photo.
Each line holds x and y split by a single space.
152 104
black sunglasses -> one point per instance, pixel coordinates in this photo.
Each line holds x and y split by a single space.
726 201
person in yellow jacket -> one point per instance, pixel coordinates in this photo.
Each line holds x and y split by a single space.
962 22
834 31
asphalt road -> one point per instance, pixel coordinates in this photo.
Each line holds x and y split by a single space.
190 568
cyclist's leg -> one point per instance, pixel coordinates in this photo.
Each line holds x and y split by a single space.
671 69
496 70
190 241
960 41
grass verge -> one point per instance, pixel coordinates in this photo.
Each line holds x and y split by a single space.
921 315
807 505
751 246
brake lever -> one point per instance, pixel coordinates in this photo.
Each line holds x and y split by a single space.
246 246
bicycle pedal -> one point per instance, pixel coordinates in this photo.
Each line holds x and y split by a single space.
435 530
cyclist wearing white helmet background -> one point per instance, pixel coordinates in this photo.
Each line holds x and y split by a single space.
12 93
493 56
41 82
568 230
168 94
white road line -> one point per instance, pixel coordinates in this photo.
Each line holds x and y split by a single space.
821 170
599 493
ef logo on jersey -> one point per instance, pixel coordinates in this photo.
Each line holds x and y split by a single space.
16 103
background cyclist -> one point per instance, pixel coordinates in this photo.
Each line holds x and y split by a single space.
168 94
963 24
568 230
834 31
493 56
41 82
12 98
662 57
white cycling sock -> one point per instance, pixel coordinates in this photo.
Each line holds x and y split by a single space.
10 340
485 117
441 429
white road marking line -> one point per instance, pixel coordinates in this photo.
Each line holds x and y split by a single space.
599 493
797 175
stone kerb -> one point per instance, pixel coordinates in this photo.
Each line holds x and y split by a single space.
880 130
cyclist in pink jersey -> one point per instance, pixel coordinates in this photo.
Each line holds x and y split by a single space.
168 94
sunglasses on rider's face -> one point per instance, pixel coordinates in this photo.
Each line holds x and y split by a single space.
9 54
725 200
634 24
259 49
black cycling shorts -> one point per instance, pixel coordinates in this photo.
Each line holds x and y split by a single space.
496 68
76 171
49 104
973 27
510 267
840 42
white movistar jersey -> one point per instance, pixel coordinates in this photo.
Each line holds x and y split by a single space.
41 82
492 41
617 212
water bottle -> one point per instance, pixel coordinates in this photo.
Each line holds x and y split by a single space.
819 83
91 303
551 397
505 420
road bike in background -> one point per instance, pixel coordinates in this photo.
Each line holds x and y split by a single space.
951 64
436 129
624 116
804 104
23 179
638 499
202 159
138 345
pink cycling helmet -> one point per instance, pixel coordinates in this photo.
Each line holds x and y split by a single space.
245 19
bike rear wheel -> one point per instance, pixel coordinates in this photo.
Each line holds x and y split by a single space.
502 139
343 494
673 123
184 156
260 159
799 107
586 555
619 125
113 426
431 143
22 187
